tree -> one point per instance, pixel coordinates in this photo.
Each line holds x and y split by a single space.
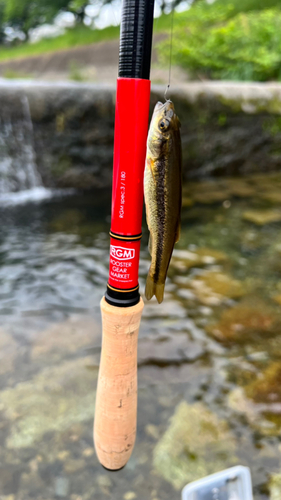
229 40
2 24
77 7
26 14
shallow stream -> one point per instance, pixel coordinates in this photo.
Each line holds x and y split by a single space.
209 355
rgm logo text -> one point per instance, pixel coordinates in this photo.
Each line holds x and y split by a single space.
122 253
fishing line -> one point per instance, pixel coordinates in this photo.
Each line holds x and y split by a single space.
171 50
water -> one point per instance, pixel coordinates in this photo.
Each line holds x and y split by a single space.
209 355
18 169
20 180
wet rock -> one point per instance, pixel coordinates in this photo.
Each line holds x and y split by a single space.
54 400
271 196
240 188
104 481
197 443
63 455
186 259
210 197
66 337
31 484
187 202
8 352
251 240
173 350
244 322
275 486
61 486
266 388
211 256
185 293
152 431
168 308
10 476
130 495
88 452
262 217
212 288
277 298
259 415
72 466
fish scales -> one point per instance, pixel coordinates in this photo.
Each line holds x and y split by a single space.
162 188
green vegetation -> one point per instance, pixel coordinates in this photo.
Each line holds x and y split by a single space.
73 37
228 39
11 74
75 72
79 35
27 14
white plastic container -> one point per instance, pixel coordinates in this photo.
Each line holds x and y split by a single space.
229 484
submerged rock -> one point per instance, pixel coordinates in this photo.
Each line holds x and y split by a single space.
186 259
275 486
251 240
258 415
196 443
61 487
211 256
277 298
187 202
213 288
271 196
55 399
266 388
8 352
240 188
66 337
173 350
130 495
209 197
262 217
244 322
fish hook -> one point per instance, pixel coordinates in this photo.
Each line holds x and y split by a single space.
165 93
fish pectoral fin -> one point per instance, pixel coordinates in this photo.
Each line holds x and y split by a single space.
149 164
178 232
156 289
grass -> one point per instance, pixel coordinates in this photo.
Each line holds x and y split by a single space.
73 37
10 73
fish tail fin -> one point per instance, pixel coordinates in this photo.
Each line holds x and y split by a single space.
156 289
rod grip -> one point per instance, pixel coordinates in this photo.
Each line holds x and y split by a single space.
115 420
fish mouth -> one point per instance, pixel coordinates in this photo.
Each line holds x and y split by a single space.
160 106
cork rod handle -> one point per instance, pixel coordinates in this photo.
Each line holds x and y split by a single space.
116 402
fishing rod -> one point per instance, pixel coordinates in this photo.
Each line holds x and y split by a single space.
121 308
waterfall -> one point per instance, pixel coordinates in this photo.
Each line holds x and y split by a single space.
18 169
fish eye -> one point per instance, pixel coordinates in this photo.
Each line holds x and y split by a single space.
164 124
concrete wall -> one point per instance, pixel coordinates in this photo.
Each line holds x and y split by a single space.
227 128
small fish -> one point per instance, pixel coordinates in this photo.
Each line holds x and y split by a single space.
162 191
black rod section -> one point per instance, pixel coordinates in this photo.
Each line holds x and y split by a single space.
136 39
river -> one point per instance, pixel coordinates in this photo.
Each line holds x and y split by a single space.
209 355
